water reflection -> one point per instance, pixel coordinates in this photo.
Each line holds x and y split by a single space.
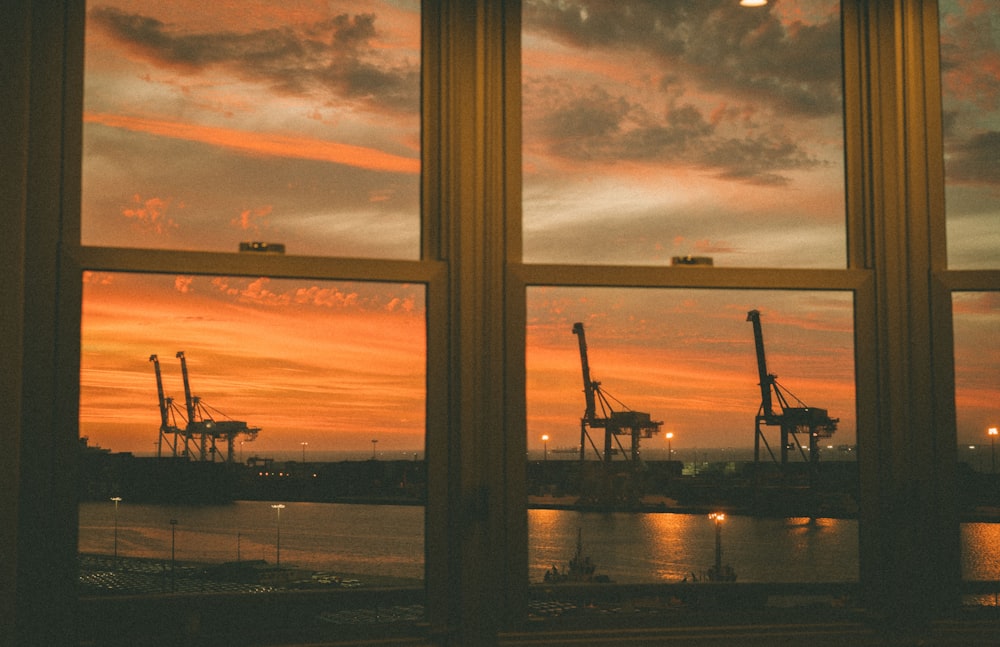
388 541
640 548
981 551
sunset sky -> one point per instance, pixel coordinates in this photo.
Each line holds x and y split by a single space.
651 129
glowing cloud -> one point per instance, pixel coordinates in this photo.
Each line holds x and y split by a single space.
269 144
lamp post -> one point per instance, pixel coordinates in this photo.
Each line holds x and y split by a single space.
374 442
277 560
992 431
670 449
173 562
718 517
303 452
117 500
545 447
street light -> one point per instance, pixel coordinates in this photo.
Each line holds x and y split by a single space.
670 450
277 561
718 517
173 563
303 451
992 431
545 447
374 442
117 500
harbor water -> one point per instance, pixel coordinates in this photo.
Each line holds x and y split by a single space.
387 541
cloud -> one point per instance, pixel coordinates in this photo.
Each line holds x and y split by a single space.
592 124
974 160
793 67
263 143
335 55
696 85
970 67
253 220
183 284
149 214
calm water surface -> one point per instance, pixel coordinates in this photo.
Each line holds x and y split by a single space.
388 541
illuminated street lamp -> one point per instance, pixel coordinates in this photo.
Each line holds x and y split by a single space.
670 450
303 451
545 447
117 500
992 431
173 563
277 560
718 518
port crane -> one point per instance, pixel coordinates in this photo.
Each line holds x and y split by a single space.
202 431
634 424
170 433
792 420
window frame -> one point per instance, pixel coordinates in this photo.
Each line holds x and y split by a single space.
476 535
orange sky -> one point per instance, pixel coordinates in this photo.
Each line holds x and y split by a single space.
298 122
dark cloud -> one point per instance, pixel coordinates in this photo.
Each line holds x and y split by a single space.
596 125
971 96
969 45
975 159
764 66
756 159
796 67
334 56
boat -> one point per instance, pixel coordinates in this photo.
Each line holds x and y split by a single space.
580 570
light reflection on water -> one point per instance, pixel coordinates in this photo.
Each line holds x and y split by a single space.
388 541
981 551
635 548
361 539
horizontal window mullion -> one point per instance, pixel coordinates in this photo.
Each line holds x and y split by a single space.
689 277
254 264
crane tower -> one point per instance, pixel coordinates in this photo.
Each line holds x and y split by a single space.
792 420
202 431
170 433
634 424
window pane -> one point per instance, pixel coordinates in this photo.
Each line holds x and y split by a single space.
305 394
970 60
977 361
207 125
661 129
686 362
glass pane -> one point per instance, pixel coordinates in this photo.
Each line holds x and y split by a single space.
207 125
977 361
682 365
655 130
970 54
276 440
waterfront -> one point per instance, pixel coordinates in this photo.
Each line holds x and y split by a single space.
386 541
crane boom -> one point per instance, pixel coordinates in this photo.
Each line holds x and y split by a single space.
588 385
188 400
766 379
164 412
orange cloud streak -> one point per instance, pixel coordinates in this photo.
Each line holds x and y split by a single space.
263 143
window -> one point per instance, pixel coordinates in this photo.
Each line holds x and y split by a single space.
684 361
970 47
476 280
206 127
655 131
975 322
705 136
253 393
